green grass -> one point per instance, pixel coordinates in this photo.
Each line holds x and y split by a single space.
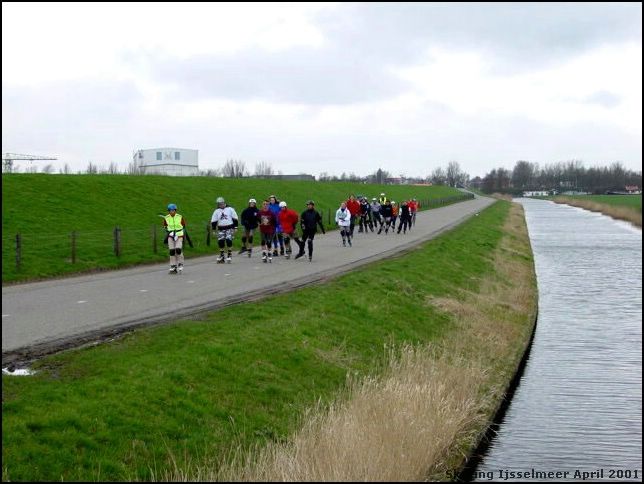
46 209
630 201
197 389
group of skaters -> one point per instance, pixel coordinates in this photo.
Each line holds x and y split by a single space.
276 225
379 214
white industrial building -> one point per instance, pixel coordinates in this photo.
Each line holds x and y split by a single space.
167 161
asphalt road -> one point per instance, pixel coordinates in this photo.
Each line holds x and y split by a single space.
45 317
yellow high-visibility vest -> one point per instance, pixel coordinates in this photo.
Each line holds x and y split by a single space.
174 224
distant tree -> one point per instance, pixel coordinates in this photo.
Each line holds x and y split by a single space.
453 173
234 169
92 169
48 169
134 169
438 176
498 180
263 168
522 174
113 169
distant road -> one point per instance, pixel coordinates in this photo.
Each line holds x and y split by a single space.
44 317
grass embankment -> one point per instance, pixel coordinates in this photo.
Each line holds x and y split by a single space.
390 372
621 207
46 209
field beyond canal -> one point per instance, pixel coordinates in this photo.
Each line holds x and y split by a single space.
621 207
411 355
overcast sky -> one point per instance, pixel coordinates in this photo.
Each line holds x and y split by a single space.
313 88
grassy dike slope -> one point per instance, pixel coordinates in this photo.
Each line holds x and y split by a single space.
45 209
411 355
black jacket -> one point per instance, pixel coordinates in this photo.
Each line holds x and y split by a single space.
404 213
249 218
385 210
310 219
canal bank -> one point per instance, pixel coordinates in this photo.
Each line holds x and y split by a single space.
577 409
244 375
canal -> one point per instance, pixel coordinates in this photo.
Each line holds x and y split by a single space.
577 412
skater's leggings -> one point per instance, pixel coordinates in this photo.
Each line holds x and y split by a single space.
248 236
176 254
267 239
345 232
287 240
404 224
365 221
308 236
353 223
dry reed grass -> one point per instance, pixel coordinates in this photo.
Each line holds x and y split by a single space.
420 418
620 213
502 196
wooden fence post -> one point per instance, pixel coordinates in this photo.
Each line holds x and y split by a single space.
208 232
74 247
117 241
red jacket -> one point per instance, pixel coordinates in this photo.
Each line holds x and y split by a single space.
288 220
267 221
353 206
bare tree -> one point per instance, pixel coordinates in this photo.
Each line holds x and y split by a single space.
48 169
92 169
133 168
263 168
113 169
438 176
234 169
453 173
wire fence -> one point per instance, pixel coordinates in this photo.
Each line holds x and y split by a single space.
39 253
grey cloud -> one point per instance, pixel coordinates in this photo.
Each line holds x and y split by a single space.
329 76
512 32
365 43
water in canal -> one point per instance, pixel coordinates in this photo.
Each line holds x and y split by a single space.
578 407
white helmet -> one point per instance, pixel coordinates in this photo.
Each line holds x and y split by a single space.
220 200
252 200
282 204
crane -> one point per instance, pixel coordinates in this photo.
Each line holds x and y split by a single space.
9 158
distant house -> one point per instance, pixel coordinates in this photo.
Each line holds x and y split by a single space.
167 161
634 189
536 193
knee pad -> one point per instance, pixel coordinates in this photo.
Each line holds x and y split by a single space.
172 252
178 251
